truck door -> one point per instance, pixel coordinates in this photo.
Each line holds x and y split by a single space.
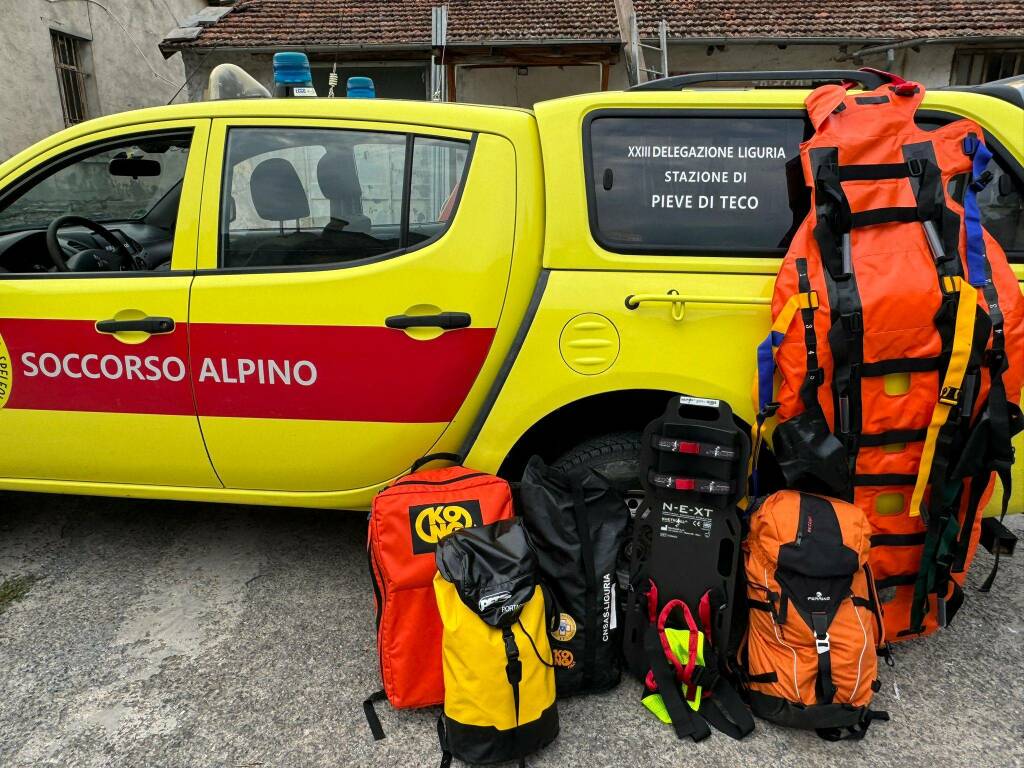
93 313
351 280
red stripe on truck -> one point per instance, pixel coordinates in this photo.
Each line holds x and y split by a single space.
335 373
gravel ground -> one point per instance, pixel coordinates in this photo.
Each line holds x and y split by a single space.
155 634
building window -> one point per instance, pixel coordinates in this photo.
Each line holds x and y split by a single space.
972 67
67 58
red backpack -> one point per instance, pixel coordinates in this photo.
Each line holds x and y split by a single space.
407 520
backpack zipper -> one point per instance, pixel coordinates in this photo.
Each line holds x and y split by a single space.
449 481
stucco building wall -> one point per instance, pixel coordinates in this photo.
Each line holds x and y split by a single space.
932 65
118 75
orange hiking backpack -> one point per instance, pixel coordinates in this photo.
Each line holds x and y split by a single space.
900 343
815 621
406 522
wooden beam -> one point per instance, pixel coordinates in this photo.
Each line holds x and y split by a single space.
605 73
449 73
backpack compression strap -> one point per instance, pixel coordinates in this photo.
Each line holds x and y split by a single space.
720 705
950 396
764 381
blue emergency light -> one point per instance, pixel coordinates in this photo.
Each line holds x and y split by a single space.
361 88
292 76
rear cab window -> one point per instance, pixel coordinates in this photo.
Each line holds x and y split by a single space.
685 182
703 182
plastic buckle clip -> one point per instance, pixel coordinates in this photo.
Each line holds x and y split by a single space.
995 360
915 166
978 184
853 322
950 396
822 642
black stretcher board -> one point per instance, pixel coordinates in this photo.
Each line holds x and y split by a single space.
690 541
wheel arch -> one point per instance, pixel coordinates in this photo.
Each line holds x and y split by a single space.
583 419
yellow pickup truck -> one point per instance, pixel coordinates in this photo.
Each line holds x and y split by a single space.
287 301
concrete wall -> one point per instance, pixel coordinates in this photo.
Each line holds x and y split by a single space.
479 85
118 76
931 66
199 64
507 87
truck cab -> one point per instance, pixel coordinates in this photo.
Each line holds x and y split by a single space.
287 301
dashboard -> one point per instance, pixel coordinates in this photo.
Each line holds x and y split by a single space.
26 252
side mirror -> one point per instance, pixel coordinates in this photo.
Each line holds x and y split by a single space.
134 167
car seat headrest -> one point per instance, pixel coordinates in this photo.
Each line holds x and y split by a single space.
339 181
277 191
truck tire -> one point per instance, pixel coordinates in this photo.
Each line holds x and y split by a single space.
615 455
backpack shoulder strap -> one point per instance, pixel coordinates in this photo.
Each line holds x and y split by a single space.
685 721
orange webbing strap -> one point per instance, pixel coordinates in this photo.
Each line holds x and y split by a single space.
949 395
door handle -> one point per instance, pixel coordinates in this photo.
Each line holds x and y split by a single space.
679 301
145 325
446 321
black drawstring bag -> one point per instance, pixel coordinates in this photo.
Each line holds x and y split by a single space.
577 523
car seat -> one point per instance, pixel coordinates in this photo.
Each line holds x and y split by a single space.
347 236
278 195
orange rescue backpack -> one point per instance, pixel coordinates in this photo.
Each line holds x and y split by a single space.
898 334
815 621
407 521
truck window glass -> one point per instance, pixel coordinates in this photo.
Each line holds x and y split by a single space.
86 184
1001 202
674 184
437 168
306 196
1002 209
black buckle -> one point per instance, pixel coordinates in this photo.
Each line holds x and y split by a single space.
816 376
978 184
915 166
853 322
995 360
705 677
950 396
970 144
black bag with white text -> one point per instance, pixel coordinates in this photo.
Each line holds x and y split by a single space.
577 523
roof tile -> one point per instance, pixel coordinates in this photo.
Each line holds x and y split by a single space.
258 23
849 19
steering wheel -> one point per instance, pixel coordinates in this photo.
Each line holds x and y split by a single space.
124 256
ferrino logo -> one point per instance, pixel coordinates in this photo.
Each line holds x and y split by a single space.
432 522
154 368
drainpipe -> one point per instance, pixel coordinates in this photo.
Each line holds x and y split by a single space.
889 49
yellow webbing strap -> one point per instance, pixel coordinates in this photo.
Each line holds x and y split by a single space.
949 395
759 394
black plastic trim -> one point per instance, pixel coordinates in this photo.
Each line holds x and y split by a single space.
869 79
506 366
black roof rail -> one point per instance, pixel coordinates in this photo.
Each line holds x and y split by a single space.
1009 89
870 79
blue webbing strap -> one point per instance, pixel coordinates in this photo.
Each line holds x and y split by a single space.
981 155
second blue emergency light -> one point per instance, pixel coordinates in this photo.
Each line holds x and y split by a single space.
360 88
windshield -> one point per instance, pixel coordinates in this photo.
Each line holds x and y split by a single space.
119 182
